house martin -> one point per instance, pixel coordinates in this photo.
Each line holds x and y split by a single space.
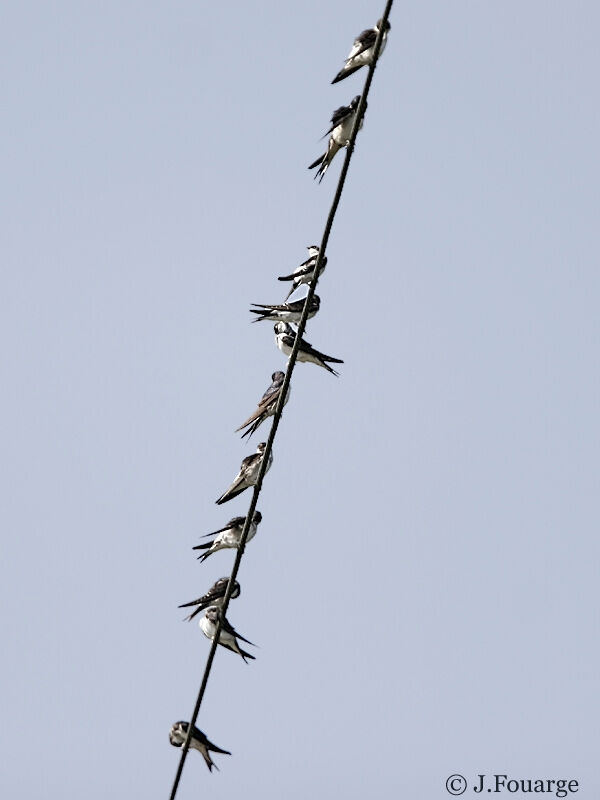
286 312
248 474
339 135
285 336
199 741
214 597
228 636
266 405
229 536
304 273
362 50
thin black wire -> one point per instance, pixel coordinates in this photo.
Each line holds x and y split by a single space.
281 401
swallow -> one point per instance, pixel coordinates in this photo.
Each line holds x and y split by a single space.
248 474
214 597
266 405
228 636
286 312
199 741
304 273
342 121
229 536
285 336
362 50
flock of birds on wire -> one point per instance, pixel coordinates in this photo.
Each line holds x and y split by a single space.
284 315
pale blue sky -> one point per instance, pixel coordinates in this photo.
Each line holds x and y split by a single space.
423 586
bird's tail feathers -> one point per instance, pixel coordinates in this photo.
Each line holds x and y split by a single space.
344 73
207 759
252 429
246 655
188 605
239 636
320 174
232 492
216 749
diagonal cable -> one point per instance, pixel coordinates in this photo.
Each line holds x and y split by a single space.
284 389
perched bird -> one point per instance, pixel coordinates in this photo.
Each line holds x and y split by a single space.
362 50
248 474
304 273
229 536
285 336
228 636
214 597
286 312
339 135
266 405
199 741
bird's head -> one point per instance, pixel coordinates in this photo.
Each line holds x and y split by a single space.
178 733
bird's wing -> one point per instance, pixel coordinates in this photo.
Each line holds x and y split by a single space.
258 413
362 42
338 116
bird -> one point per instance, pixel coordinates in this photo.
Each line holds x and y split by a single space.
228 636
285 336
362 50
305 272
229 536
248 474
266 405
286 312
214 597
199 741
342 121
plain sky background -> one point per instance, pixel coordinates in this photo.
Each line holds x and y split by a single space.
423 586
